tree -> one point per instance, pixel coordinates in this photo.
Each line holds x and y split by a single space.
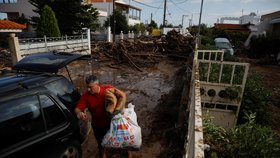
90 17
121 22
137 28
167 25
71 15
21 19
153 24
204 30
47 24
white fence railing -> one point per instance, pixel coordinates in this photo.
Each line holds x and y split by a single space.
80 43
22 47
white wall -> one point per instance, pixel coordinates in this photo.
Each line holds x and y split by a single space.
249 19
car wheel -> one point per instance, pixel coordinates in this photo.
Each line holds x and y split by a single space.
72 151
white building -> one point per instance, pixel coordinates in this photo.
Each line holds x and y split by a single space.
270 23
252 18
15 8
105 9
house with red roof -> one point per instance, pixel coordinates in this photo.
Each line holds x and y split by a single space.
17 8
10 26
233 27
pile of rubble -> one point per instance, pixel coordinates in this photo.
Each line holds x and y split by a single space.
5 59
145 53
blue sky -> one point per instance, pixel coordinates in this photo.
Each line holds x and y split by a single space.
212 10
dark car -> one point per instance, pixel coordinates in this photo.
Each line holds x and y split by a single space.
37 109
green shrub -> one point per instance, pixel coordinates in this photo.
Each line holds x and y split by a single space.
264 46
256 99
215 136
253 140
246 140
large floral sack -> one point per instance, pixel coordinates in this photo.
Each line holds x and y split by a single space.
124 133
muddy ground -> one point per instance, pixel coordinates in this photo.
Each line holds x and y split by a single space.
156 94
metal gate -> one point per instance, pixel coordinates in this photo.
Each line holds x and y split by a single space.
222 85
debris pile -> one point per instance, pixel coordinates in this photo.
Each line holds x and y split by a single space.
145 53
178 45
5 59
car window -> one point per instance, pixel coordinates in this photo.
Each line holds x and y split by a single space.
53 114
65 91
20 119
223 45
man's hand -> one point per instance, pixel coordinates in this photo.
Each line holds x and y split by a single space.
82 116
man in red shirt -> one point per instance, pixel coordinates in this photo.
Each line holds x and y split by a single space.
94 100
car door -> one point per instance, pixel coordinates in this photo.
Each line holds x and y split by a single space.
35 126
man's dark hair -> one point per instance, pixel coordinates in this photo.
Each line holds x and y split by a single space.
91 79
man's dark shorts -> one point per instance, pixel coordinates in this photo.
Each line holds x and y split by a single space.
99 133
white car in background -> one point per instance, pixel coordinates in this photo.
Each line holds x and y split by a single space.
224 44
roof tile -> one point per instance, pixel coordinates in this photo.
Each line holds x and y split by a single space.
6 24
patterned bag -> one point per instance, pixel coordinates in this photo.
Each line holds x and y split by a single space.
124 131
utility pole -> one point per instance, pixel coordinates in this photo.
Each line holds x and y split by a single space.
109 27
198 33
164 12
114 21
151 18
200 18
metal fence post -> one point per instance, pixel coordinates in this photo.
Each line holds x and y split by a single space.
46 43
121 36
132 34
88 37
66 41
109 34
129 35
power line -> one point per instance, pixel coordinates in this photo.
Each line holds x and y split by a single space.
179 7
176 6
154 2
158 8
146 4
169 14
182 2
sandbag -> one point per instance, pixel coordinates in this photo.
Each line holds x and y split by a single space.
124 133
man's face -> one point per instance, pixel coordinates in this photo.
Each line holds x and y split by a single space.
93 88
